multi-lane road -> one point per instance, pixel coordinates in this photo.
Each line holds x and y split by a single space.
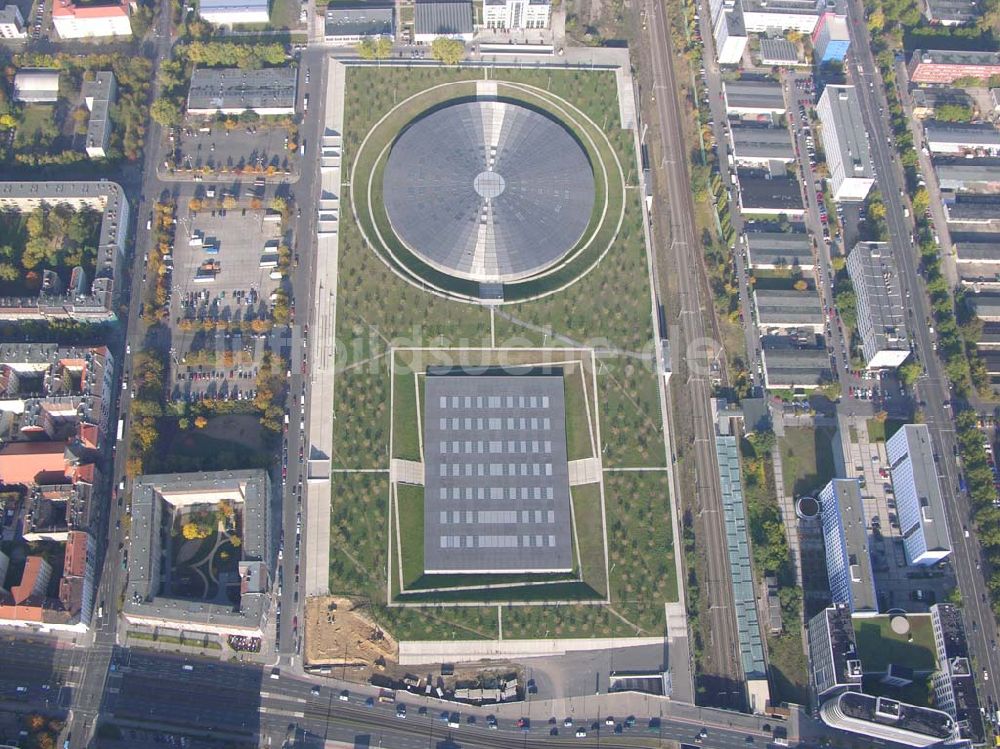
242 701
933 388
683 251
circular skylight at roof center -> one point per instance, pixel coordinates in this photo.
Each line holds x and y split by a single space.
488 190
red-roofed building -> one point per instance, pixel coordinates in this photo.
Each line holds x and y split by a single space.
84 21
28 463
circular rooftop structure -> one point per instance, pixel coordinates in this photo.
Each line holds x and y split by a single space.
489 191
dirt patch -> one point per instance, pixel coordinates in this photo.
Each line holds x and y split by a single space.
339 634
243 429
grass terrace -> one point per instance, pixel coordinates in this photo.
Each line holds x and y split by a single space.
608 308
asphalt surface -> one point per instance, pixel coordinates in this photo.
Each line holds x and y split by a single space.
685 250
932 388
155 690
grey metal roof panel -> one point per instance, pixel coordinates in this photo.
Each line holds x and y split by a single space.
444 18
487 190
496 483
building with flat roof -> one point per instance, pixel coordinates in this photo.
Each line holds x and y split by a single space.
947 66
737 544
769 250
764 16
350 23
881 312
514 15
946 138
831 39
756 146
788 309
36 85
234 12
12 23
926 100
834 664
848 558
99 94
442 18
845 142
968 175
778 52
161 502
769 196
954 683
919 503
795 367
987 305
97 303
271 91
888 720
950 12
496 474
90 21
730 37
969 249
752 97
968 208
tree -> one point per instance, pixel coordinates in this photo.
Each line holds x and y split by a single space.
200 422
921 201
165 112
383 48
365 49
448 51
229 202
193 531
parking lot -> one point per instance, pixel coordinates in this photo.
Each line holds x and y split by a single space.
224 270
246 149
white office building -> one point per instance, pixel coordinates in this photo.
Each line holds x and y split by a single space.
765 16
919 504
234 12
730 37
12 23
848 560
846 143
514 15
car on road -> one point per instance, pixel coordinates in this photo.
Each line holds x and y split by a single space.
314 691
344 696
491 722
400 711
581 733
568 723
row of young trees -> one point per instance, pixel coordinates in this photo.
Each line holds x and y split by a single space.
956 328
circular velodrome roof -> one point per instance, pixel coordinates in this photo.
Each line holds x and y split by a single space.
488 190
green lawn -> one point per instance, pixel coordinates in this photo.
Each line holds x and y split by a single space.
878 645
37 129
410 500
590 535
789 668
880 431
917 693
641 547
405 429
807 459
578 425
